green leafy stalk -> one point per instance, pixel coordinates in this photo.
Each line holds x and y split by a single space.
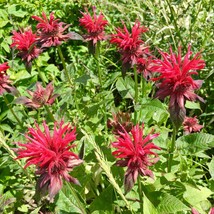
39 73
105 166
136 92
172 148
63 64
11 109
140 195
97 58
49 113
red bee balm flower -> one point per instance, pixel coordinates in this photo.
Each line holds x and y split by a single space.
134 152
190 124
5 83
94 25
176 81
130 44
51 154
51 32
41 96
25 43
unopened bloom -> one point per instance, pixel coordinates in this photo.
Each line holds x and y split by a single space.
25 43
51 154
135 153
121 121
94 25
129 44
5 83
41 96
175 80
52 32
191 124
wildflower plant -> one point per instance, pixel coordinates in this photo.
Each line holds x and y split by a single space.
153 154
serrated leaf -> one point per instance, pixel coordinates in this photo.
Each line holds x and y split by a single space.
171 204
125 87
68 202
193 143
148 207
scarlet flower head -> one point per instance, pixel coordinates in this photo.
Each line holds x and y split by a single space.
25 43
94 25
5 83
134 152
194 211
130 44
40 97
176 80
51 31
51 154
191 124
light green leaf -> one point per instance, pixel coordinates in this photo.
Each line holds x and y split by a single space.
171 204
192 105
193 143
195 195
148 207
211 167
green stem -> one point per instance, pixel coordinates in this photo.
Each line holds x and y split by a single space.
8 105
39 73
140 194
136 93
49 113
97 57
142 85
63 64
172 148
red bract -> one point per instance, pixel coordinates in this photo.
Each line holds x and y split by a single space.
51 31
95 26
130 45
5 83
135 152
41 96
190 125
24 42
176 80
51 155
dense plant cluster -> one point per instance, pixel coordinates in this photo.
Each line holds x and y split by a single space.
97 116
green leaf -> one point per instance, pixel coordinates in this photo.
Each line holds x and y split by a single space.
211 167
12 10
192 105
153 109
83 79
171 204
196 195
68 201
107 197
148 207
125 87
193 143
